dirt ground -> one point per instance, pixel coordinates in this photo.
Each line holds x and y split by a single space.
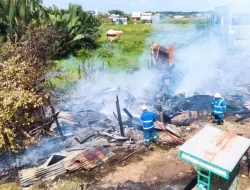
162 169
157 169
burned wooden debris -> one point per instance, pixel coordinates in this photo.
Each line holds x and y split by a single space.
91 135
8 173
184 118
99 141
114 136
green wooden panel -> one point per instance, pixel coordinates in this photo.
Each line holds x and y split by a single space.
204 164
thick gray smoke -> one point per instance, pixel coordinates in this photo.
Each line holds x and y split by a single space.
206 64
104 90
200 56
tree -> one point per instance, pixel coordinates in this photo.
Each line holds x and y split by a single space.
82 29
23 92
14 12
34 36
117 12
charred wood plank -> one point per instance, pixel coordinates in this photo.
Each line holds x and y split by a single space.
131 154
119 116
113 136
115 116
44 126
55 118
242 118
128 113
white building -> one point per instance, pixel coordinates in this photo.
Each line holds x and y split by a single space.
136 16
179 16
146 17
232 25
124 20
114 17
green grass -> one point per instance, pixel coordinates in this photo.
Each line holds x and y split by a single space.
68 69
121 54
199 23
124 53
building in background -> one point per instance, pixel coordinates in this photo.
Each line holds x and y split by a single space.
146 17
156 18
124 20
136 17
179 16
232 25
114 17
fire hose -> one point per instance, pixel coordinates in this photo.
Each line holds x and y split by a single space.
175 139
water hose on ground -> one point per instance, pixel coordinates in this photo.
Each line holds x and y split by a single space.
172 137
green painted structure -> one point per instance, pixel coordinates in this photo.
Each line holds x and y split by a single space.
216 154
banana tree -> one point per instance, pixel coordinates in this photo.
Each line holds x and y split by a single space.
81 27
12 12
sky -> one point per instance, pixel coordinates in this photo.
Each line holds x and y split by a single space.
130 6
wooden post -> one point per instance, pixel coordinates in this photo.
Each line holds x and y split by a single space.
56 120
159 111
119 116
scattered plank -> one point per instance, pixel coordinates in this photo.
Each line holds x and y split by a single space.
242 118
113 136
131 154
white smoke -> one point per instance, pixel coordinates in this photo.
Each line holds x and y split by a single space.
206 65
200 57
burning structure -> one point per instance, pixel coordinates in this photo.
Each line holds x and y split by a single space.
92 125
161 56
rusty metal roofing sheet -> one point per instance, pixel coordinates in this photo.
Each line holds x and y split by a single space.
217 147
85 159
88 159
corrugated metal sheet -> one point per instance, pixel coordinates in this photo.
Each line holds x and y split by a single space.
82 135
85 159
217 147
88 159
30 176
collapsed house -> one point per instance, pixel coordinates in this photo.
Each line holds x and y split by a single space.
92 127
92 135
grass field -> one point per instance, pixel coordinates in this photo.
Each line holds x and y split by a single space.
128 52
122 54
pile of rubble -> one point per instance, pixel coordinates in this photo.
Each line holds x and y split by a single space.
92 132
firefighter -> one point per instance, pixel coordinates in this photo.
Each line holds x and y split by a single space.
219 108
148 119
